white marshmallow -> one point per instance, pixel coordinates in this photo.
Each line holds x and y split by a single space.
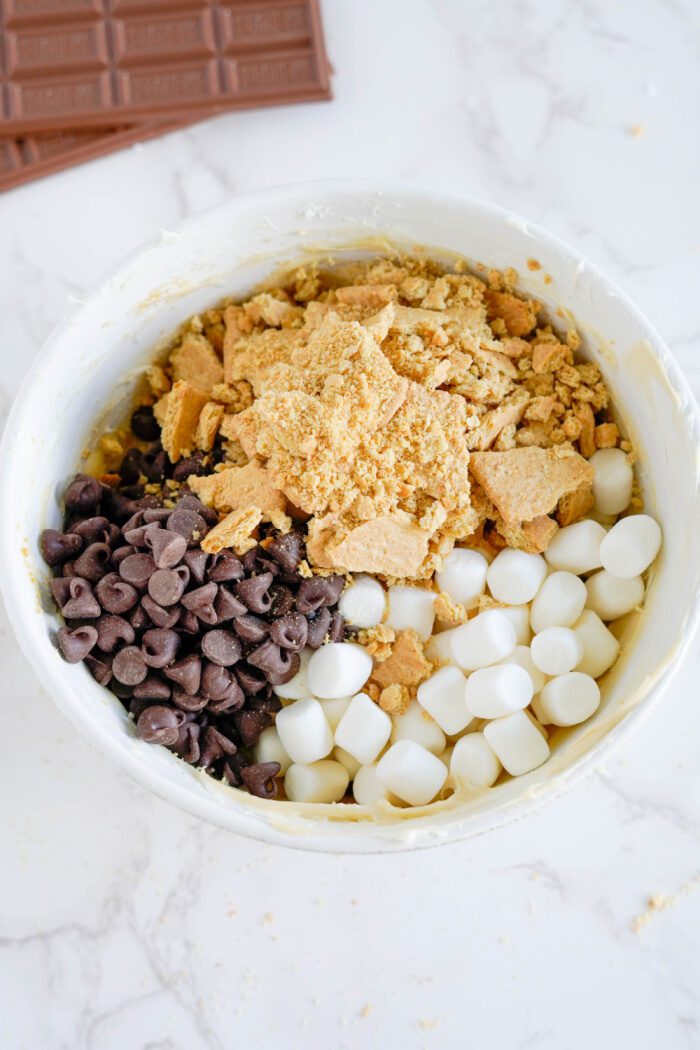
515 577
600 646
496 691
338 669
556 650
442 696
485 640
522 656
411 608
325 781
612 480
335 709
519 616
474 762
345 759
576 548
367 788
304 731
631 546
417 725
611 597
463 576
411 772
269 748
517 743
559 602
297 687
363 602
363 730
438 648
568 699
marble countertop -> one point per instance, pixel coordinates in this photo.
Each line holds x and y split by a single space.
124 923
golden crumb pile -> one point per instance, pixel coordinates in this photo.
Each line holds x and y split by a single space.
392 406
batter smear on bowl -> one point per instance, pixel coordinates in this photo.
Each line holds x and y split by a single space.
360 540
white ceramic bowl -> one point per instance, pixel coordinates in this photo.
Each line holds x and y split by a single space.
90 362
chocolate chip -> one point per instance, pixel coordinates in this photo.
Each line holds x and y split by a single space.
144 425
196 562
250 725
111 630
201 599
159 725
282 600
232 699
320 591
255 592
222 647
100 669
265 701
152 688
129 666
158 615
188 523
137 569
188 622
193 465
60 589
188 702
94 562
154 465
137 536
160 646
336 630
121 553
93 530
225 566
134 522
115 595
290 632
319 625
232 769
159 514
288 550
82 604
57 547
226 606
187 673
271 660
216 680
75 643
260 778
167 547
214 745
187 746
188 501
167 586
139 619
250 679
251 628
68 568
83 495
130 467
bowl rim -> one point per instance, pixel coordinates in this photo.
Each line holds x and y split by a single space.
365 837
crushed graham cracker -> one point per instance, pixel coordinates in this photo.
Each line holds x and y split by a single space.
407 664
196 362
235 488
235 531
180 418
394 699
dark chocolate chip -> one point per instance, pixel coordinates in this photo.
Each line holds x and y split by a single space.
214 745
94 562
188 622
152 688
232 700
188 702
167 586
137 569
121 553
250 679
100 669
193 465
93 530
187 672
167 547
336 630
60 589
319 625
251 628
288 550
260 779
144 425
83 495
75 643
226 606
216 680
196 562
271 660
222 647
111 630
282 600
159 646
159 514
232 769
250 725
158 615
160 725
154 465
200 598
188 501
57 547
187 746
129 666
255 592
115 595
130 467
188 523
318 592
82 604
139 619
290 632
225 566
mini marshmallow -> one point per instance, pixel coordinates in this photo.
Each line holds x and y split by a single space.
296 688
519 616
417 725
463 576
559 602
363 730
411 608
338 669
367 788
325 781
345 759
515 577
576 548
485 640
304 731
496 691
474 762
522 656
556 650
631 546
363 602
568 699
611 597
442 696
269 748
600 646
517 742
411 772
335 709
612 480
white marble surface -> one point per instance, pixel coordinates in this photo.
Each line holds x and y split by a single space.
123 923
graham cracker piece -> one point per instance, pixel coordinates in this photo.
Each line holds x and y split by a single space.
406 666
394 699
607 435
575 505
196 362
391 544
235 488
586 438
533 537
509 412
208 426
518 316
234 532
525 483
182 410
448 611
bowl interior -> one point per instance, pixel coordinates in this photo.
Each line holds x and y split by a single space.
92 362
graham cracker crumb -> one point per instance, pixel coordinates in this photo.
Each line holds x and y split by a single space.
394 699
377 641
208 426
448 611
158 380
234 531
407 664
